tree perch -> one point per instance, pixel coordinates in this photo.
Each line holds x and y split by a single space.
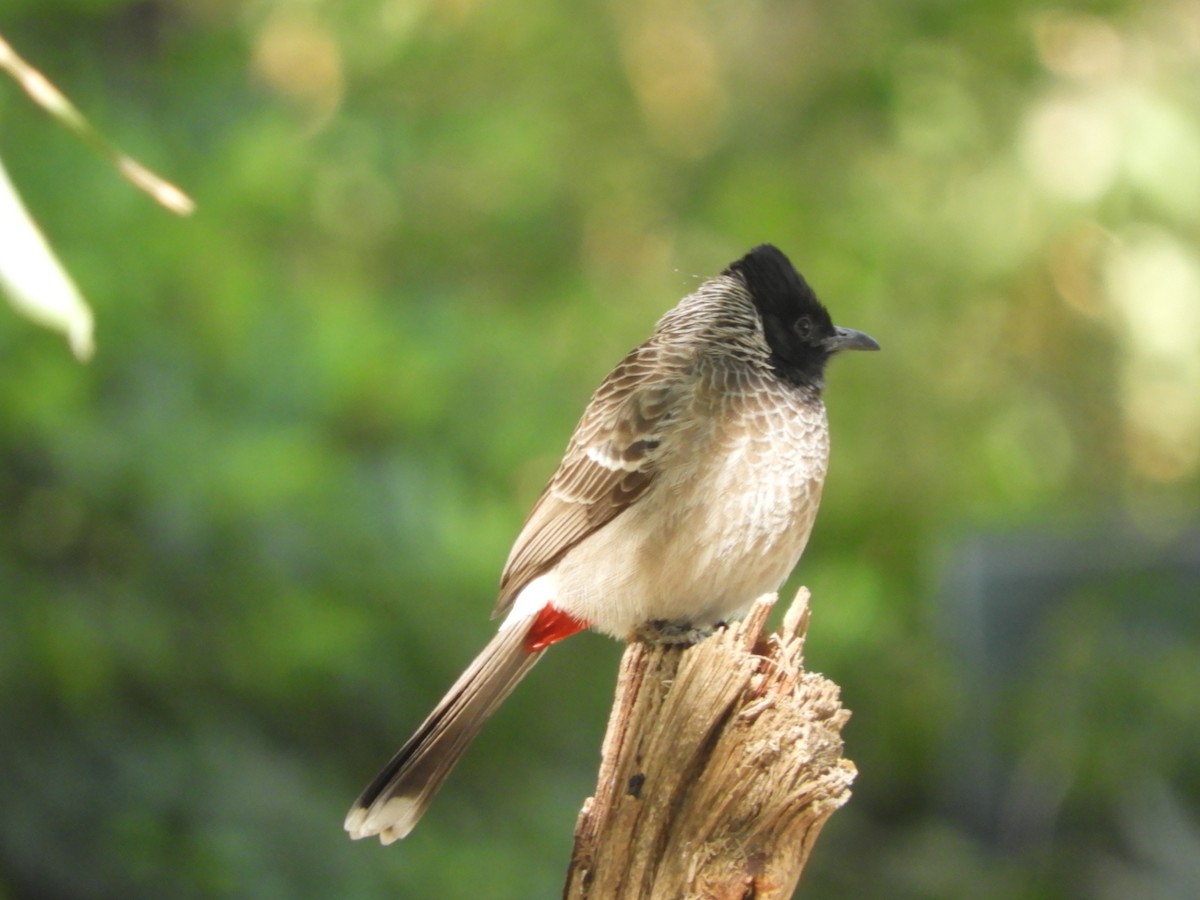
721 764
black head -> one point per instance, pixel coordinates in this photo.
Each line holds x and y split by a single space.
799 332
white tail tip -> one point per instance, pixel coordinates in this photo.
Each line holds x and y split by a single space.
391 820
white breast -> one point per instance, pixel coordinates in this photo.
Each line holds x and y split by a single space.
724 522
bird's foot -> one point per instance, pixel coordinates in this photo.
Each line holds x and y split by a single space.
665 631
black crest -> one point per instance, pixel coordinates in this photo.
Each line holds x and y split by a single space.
798 329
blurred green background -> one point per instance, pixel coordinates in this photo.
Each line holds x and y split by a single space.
245 549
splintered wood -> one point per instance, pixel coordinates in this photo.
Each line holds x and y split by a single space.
721 763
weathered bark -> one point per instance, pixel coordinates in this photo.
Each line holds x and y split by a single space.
722 762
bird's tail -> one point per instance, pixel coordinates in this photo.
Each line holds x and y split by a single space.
393 803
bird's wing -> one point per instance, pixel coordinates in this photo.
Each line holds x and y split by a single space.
610 462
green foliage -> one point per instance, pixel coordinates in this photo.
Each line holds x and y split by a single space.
244 549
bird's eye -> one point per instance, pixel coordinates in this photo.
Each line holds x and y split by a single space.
803 327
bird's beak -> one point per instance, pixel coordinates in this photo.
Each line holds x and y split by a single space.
849 339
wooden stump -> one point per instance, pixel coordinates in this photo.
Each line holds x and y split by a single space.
721 763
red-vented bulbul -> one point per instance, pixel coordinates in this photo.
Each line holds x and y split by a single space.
687 491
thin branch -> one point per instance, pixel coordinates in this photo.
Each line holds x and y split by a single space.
51 99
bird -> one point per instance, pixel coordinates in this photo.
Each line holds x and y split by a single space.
688 489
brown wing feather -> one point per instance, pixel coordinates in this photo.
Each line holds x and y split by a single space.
609 463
